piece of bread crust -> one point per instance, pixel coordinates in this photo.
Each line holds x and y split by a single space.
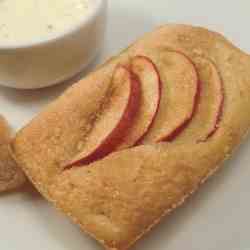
120 198
11 176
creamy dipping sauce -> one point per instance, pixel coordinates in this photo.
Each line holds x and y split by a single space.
24 21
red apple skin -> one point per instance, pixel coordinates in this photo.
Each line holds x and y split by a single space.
209 110
115 137
158 103
136 137
178 130
220 107
170 135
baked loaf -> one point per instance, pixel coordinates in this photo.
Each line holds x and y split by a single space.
11 176
121 197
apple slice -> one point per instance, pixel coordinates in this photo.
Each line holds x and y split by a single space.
180 92
150 81
210 108
114 119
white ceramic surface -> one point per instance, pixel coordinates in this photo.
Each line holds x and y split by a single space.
216 218
40 64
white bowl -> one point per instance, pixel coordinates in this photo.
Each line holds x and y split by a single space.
48 62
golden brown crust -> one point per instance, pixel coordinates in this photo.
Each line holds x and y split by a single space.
10 175
120 198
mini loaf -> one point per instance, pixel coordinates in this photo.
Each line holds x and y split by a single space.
11 176
119 197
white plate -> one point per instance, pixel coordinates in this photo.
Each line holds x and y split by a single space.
217 217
